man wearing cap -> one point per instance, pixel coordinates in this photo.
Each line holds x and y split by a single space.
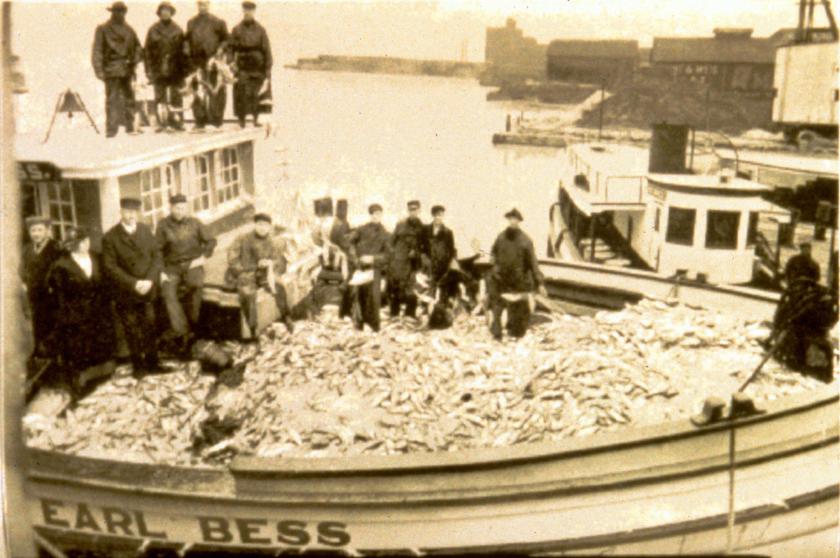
256 260
515 272
439 245
184 243
802 265
252 54
116 53
206 36
165 67
39 255
132 263
406 252
370 247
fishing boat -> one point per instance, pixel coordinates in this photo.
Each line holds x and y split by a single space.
763 483
626 206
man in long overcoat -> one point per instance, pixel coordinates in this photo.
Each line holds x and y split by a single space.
370 248
439 247
515 272
132 261
406 253
165 64
252 55
39 255
116 53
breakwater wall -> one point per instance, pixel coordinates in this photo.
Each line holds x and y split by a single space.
390 65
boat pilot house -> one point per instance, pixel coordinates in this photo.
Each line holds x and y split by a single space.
622 205
74 186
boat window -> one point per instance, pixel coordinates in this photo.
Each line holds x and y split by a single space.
752 229
57 201
201 192
722 229
680 226
227 175
156 185
656 219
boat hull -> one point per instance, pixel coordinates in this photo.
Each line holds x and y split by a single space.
667 488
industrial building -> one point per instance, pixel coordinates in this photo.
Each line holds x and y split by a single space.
592 61
509 54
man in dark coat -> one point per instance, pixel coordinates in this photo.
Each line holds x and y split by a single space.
406 252
116 53
802 265
85 333
132 262
439 246
184 244
165 65
370 248
515 273
252 55
256 260
206 35
39 255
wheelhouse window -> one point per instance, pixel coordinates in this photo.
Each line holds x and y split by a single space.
227 175
752 229
156 185
656 219
202 186
57 201
722 229
680 226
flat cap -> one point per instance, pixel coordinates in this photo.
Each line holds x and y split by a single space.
36 220
413 204
374 207
248 5
130 203
265 217
178 198
117 7
514 213
74 235
165 5
438 209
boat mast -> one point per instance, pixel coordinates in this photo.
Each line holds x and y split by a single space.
18 535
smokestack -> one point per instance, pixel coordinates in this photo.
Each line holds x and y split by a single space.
667 149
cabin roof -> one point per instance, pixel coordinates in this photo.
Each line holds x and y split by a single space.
707 182
613 159
822 166
82 154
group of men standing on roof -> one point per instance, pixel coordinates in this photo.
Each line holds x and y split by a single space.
414 249
200 62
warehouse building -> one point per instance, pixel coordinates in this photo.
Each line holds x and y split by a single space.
592 61
509 54
731 60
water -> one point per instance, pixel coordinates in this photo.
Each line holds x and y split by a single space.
390 139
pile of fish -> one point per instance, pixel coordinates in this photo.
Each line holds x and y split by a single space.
329 390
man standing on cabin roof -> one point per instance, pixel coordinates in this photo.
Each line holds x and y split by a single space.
39 255
802 265
252 56
515 274
116 53
206 37
184 243
406 252
256 260
132 262
370 247
165 64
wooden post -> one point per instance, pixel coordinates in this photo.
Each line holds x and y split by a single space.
708 107
18 531
778 258
592 238
601 110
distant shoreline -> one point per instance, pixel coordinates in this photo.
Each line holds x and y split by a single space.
389 65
